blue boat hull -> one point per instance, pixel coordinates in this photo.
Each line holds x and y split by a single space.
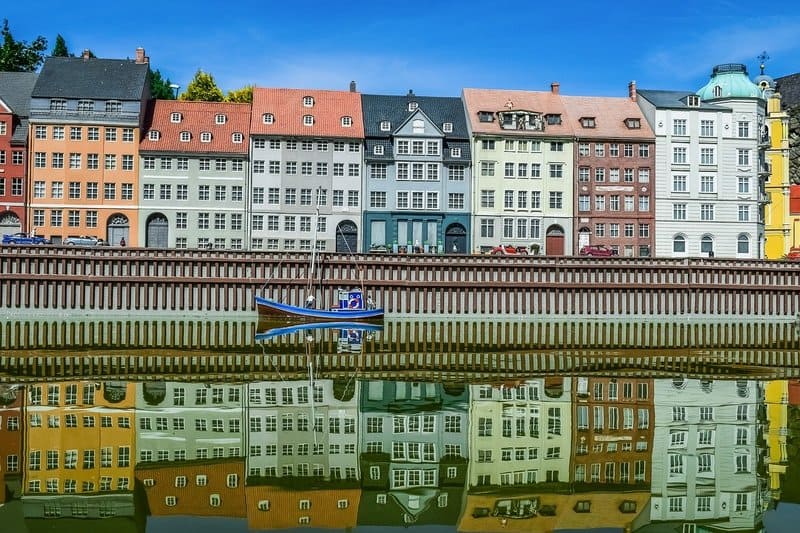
310 326
273 309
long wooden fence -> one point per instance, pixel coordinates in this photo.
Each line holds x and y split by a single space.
54 278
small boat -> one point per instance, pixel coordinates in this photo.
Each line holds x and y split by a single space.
351 307
351 329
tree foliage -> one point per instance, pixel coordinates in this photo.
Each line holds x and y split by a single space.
241 96
160 87
203 88
60 48
19 56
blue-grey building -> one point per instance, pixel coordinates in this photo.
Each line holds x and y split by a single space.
418 174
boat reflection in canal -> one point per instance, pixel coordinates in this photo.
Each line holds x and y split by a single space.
535 454
351 335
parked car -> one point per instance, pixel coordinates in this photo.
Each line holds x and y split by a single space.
598 250
507 249
83 240
23 238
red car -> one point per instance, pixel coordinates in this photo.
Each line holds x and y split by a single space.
598 250
794 254
507 249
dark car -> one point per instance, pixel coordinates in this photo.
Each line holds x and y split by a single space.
507 249
598 250
23 238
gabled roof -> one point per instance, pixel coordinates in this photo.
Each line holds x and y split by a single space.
675 100
494 100
395 110
16 89
92 78
286 106
789 87
196 118
609 115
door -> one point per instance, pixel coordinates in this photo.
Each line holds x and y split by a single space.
9 223
157 231
583 238
346 237
554 241
455 239
118 230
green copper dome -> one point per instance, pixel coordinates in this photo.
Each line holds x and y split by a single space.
729 81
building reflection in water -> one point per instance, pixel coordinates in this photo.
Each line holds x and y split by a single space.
544 453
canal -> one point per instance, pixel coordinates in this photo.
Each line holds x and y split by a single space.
222 423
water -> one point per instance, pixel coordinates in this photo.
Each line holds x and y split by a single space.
149 424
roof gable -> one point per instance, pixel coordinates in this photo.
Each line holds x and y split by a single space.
396 110
418 124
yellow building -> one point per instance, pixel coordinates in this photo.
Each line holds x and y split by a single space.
780 228
79 439
776 396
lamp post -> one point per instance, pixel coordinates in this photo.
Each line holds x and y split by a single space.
174 87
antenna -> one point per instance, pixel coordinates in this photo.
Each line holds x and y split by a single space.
762 58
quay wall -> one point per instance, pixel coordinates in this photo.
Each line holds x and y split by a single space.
197 281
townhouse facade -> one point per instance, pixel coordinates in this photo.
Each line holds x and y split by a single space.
85 119
779 227
615 174
194 175
306 153
11 432
15 97
709 159
418 174
523 158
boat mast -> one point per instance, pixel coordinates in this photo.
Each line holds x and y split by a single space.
312 266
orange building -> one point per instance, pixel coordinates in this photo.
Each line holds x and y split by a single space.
85 120
273 507
10 433
79 439
213 487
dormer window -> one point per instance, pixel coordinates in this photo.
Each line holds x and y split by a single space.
447 127
633 123
175 118
308 101
58 104
588 122
220 119
418 126
113 106
386 125
154 135
693 100
308 120
85 105
205 137
553 118
378 149
455 152
485 116
237 138
268 118
347 121
412 106
717 91
186 136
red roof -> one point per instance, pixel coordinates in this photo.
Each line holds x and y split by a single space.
494 100
288 107
609 115
221 119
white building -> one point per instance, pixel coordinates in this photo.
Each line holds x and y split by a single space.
709 167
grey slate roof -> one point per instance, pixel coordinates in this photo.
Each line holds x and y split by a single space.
101 79
674 99
439 109
789 87
16 89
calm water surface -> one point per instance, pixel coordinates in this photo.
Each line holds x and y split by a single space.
155 424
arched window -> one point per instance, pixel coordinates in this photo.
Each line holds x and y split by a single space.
743 244
717 91
268 118
707 244
679 244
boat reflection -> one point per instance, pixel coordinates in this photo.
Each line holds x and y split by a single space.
534 454
349 335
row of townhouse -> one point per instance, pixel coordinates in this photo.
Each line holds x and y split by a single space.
665 173
396 451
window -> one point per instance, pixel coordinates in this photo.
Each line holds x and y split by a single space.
347 121
205 137
308 120
706 128
268 118
679 155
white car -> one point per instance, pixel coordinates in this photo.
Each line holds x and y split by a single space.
83 241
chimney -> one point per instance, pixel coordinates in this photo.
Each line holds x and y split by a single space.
410 93
554 87
140 57
86 54
353 86
632 90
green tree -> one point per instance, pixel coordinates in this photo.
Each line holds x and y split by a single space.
160 87
202 88
241 96
60 48
19 56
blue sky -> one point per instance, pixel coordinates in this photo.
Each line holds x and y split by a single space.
434 47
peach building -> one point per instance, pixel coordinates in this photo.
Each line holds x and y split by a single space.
275 507
85 120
